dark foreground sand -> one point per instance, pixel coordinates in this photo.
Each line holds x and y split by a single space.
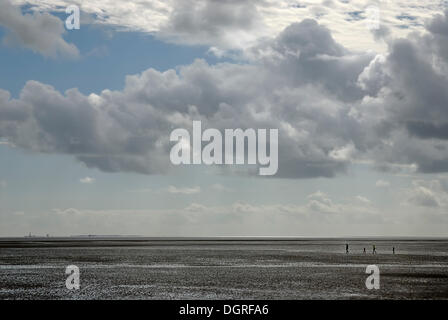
149 269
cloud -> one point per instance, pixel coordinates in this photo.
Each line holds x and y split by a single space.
332 107
176 190
6 143
427 194
198 219
363 199
39 32
3 184
405 109
129 130
220 188
223 23
87 180
184 190
382 184
232 24
320 202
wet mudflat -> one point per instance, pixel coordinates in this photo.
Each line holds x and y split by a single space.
290 269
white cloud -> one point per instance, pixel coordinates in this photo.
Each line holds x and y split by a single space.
426 193
87 180
363 199
3 184
239 24
220 188
40 32
382 184
184 190
5 143
320 202
176 190
343 153
239 218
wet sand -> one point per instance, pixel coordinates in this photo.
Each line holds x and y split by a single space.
142 268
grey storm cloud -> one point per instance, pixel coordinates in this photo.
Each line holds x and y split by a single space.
40 32
331 106
428 130
406 106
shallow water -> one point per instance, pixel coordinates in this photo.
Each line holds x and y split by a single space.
289 269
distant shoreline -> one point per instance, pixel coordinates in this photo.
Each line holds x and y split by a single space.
224 238
116 241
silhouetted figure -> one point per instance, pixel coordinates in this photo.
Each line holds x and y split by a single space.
393 250
374 249
346 248
364 250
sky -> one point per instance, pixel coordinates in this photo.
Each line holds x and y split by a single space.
356 89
